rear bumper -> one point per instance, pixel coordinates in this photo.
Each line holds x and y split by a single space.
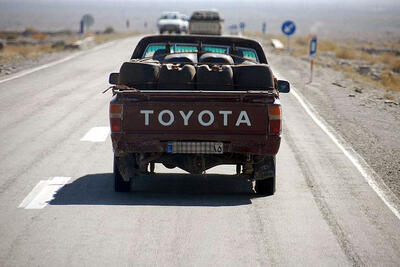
169 27
255 145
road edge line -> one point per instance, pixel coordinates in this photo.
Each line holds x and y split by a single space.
372 178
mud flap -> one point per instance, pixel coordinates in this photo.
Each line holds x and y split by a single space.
264 168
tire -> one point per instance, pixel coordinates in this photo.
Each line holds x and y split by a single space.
161 31
265 187
265 176
120 185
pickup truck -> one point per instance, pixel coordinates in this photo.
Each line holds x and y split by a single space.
195 102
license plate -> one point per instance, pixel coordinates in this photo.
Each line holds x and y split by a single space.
195 147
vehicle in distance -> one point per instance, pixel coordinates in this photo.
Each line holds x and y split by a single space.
207 22
195 102
173 22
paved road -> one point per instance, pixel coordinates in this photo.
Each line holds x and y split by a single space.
324 212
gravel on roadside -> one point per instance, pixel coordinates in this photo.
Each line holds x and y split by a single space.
20 64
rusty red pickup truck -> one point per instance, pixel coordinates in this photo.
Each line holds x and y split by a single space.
195 102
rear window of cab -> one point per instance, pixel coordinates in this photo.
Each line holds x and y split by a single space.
160 49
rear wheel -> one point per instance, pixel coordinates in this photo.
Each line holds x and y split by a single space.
264 174
265 187
152 167
120 185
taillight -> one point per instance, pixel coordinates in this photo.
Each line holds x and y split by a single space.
116 117
275 122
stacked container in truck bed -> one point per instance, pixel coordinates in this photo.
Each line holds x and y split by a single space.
153 75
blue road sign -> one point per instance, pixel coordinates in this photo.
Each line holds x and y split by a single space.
288 27
242 25
313 46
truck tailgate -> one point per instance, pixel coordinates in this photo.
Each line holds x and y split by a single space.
193 118
206 114
205 27
239 120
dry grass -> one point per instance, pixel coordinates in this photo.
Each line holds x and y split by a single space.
326 45
344 53
350 50
17 53
390 81
12 53
26 50
355 76
389 96
102 38
301 41
392 61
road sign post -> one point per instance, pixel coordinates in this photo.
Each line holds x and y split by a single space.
313 51
242 25
288 28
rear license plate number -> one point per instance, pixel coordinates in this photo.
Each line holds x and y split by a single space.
175 147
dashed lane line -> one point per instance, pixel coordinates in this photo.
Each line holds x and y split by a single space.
96 134
43 193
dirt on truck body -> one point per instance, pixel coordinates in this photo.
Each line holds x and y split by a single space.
195 102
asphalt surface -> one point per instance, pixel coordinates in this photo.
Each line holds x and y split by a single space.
323 213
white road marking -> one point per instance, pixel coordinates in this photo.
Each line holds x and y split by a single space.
372 178
43 193
97 134
45 66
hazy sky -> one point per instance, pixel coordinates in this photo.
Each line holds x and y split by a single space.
328 2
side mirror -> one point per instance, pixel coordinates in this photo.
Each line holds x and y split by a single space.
283 86
114 77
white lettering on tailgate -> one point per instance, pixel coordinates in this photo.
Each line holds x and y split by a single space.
171 117
146 115
243 118
186 117
225 113
210 121
205 117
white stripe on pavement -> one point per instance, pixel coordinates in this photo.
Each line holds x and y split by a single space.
43 193
97 134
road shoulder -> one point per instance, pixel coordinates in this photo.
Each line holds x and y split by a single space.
365 120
